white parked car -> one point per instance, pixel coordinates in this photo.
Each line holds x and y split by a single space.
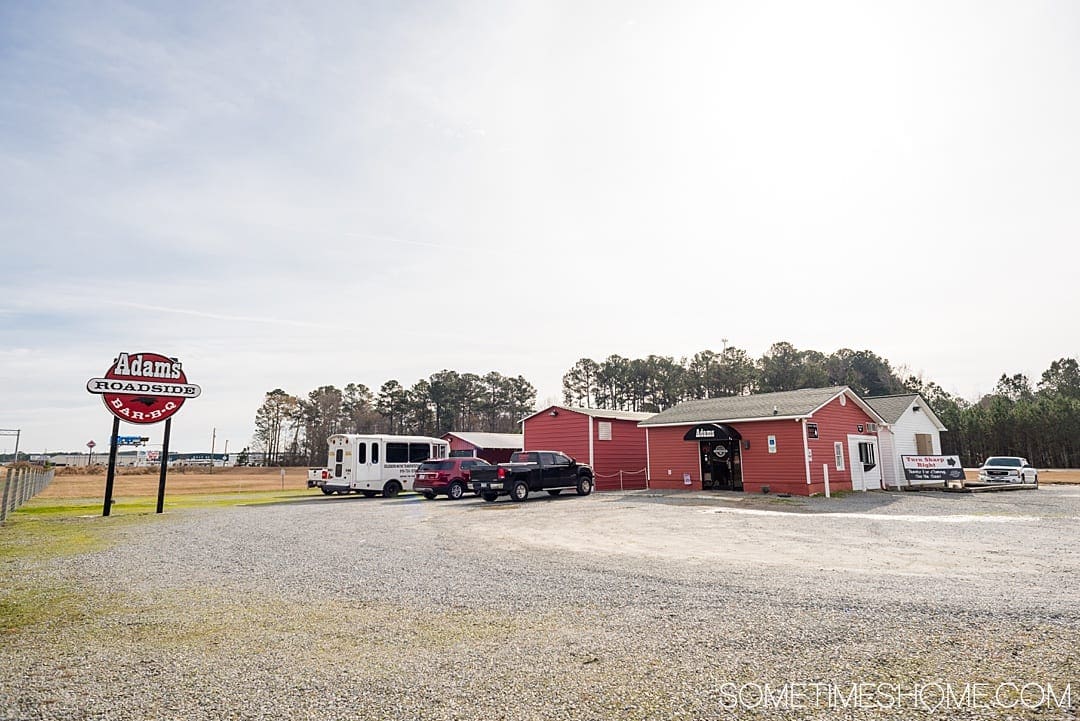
1008 469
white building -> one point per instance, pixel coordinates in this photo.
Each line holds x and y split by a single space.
911 429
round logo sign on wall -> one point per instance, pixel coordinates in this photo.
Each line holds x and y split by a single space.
143 387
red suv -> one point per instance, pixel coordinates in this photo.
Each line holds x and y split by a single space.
449 476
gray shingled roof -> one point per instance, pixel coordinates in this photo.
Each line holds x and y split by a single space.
491 440
891 407
788 404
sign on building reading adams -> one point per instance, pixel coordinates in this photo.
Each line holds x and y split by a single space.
143 387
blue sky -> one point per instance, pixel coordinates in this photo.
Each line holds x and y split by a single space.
290 197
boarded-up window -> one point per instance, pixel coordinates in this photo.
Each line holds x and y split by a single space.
603 431
924 444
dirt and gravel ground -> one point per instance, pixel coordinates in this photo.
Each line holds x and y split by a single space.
614 606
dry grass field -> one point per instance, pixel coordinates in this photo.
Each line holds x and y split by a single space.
141 482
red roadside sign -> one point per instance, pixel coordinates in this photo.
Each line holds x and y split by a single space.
143 387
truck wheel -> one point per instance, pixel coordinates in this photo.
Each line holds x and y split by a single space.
555 492
326 491
455 491
584 486
429 496
520 491
391 489
369 494
489 497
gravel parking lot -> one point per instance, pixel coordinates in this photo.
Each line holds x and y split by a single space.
614 606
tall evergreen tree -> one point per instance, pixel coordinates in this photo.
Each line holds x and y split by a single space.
275 419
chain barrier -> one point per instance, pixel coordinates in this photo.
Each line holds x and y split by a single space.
621 474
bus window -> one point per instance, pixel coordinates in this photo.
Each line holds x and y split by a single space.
361 452
419 452
397 452
374 451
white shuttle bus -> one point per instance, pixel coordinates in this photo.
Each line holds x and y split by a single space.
372 464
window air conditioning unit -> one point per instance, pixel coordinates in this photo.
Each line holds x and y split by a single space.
871 427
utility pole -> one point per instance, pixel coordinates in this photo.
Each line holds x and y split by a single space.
213 440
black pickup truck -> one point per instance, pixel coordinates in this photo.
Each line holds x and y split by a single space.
531 471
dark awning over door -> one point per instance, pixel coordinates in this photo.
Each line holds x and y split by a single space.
712 432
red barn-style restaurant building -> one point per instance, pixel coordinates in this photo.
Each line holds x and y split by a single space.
772 442
611 442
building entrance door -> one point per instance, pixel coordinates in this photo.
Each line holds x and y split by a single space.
865 470
721 467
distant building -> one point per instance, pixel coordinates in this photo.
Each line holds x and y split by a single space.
492 447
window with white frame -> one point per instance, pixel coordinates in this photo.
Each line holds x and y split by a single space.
838 451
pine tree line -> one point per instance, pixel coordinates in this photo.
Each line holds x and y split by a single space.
293 430
1039 421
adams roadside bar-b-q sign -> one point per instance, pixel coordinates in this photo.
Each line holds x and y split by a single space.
142 388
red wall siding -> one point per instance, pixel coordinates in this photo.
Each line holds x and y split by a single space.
456 444
783 471
624 452
670 457
491 455
495 455
567 432
835 423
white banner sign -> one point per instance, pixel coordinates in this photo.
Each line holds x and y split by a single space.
933 468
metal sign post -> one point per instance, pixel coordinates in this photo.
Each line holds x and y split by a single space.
110 476
164 467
